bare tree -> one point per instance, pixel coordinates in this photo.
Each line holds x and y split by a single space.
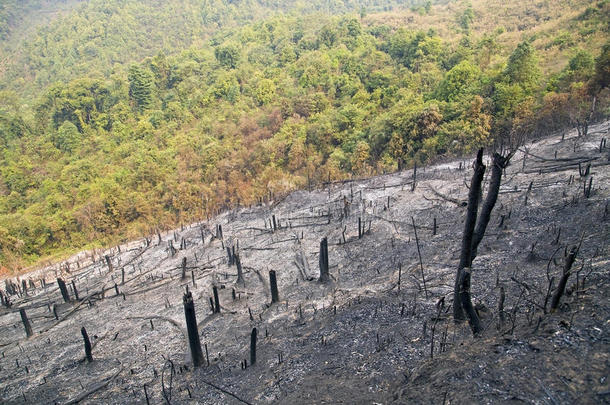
474 231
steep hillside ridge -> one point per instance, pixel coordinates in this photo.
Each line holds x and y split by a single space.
349 340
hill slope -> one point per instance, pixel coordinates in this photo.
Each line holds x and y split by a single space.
352 339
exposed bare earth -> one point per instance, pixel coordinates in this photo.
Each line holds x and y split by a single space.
359 338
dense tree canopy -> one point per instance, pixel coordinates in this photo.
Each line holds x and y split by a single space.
119 151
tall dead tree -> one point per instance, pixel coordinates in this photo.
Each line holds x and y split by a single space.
498 163
474 230
461 291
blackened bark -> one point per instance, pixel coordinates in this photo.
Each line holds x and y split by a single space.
498 164
570 258
466 251
253 347
473 318
63 289
193 333
324 273
83 331
275 296
26 322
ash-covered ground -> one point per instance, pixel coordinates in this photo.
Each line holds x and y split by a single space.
380 331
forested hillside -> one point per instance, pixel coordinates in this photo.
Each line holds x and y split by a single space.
215 112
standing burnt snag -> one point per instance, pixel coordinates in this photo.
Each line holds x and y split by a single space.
64 290
108 262
83 331
26 322
473 234
567 271
216 300
253 347
324 273
191 326
461 292
240 273
275 296
75 290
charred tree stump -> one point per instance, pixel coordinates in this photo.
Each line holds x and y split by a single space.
501 308
569 261
399 275
183 268
434 227
108 262
191 326
414 176
421 264
63 289
253 347
587 190
26 322
466 251
170 246
360 228
240 273
216 300
230 256
75 290
274 223
83 331
275 296
324 271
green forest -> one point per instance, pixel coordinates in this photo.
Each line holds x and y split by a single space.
121 117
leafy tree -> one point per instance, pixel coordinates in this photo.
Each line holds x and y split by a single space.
460 81
227 55
522 68
67 137
141 87
601 79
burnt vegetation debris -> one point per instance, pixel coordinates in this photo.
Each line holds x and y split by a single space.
341 294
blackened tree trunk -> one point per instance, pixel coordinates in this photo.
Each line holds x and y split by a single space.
275 296
191 327
567 267
64 290
466 251
253 347
498 164
26 322
83 331
216 300
240 273
324 273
